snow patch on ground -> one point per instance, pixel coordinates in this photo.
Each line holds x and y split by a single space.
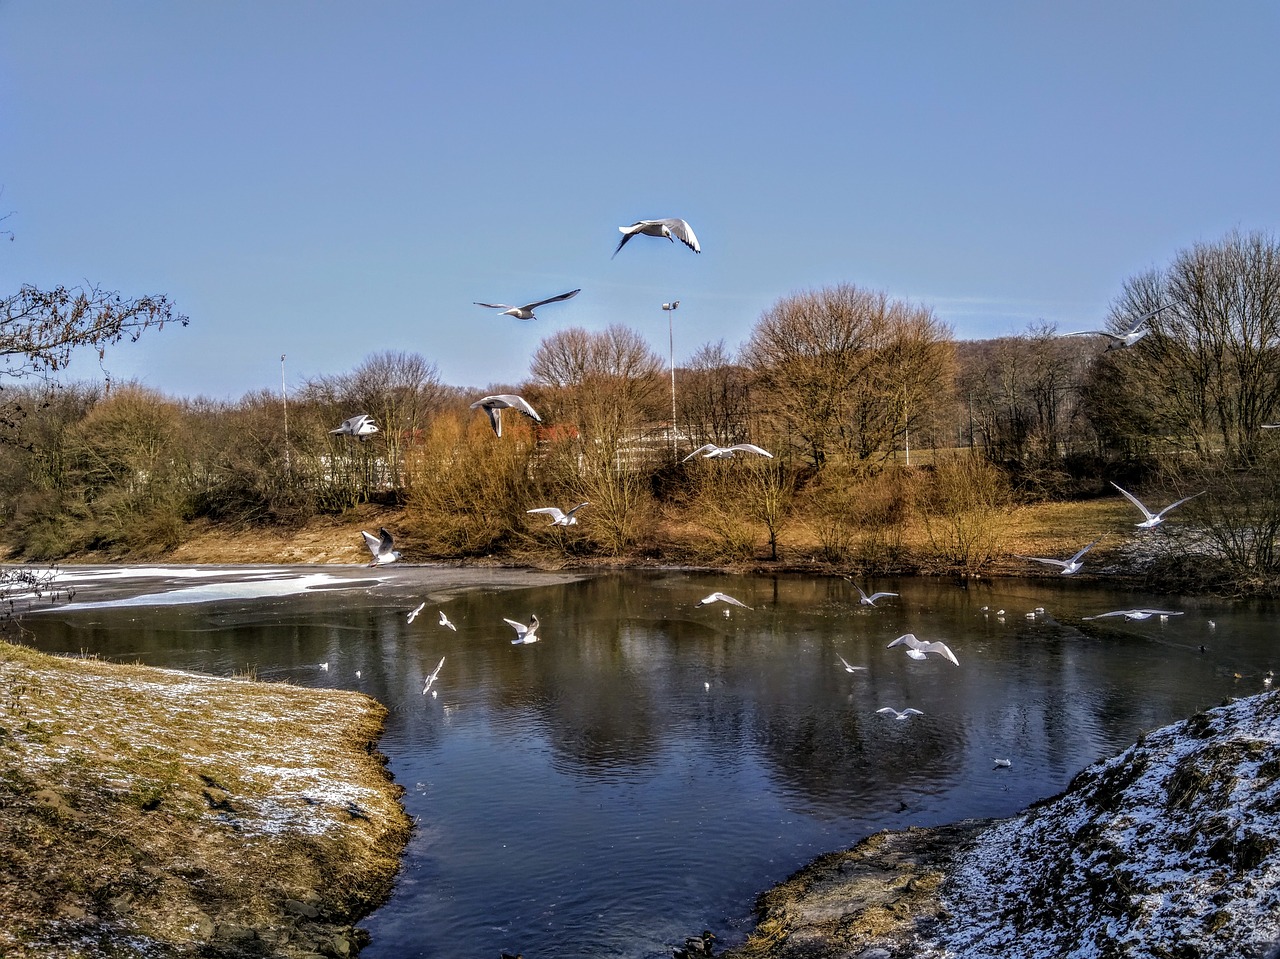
1169 849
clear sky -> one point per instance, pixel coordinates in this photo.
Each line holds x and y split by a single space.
332 179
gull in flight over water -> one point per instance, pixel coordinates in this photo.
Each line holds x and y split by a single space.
494 405
1137 614
1069 566
361 427
526 312
1152 519
444 621
431 678
904 714
524 634
672 228
710 451
413 614
1120 341
720 598
918 648
558 517
381 546
848 668
864 599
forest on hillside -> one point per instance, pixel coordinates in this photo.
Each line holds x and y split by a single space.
875 415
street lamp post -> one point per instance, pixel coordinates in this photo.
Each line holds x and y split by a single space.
284 400
671 345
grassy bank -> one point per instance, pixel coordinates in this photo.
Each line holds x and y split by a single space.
149 812
1044 529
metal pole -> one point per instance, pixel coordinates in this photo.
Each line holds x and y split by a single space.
284 399
671 346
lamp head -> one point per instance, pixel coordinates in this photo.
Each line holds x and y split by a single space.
671 306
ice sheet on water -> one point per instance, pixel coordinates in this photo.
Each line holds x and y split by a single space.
286 583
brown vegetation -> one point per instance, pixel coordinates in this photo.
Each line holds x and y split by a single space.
187 814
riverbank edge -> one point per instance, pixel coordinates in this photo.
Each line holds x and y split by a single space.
170 814
1154 560
874 900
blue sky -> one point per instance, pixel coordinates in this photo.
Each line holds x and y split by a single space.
328 180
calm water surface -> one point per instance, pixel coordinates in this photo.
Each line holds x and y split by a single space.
648 767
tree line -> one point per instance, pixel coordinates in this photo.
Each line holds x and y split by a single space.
872 409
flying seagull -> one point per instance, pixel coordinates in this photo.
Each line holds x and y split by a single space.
413 614
494 405
890 711
848 668
431 677
1137 614
917 648
710 451
524 634
720 598
864 599
672 228
559 518
1069 566
526 312
1126 339
381 546
361 427
1152 519
444 621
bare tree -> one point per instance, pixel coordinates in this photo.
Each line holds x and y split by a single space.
714 397
40 329
848 371
401 391
1207 376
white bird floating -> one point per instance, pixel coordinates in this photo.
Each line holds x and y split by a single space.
918 648
1069 566
710 451
864 599
325 667
413 613
1137 614
558 517
1001 763
381 546
444 621
904 714
526 312
524 633
1152 519
720 598
672 228
494 405
849 668
1119 341
361 427
431 677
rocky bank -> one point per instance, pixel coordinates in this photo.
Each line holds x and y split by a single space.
1170 850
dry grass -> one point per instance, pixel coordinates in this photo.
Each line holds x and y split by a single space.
1043 529
183 815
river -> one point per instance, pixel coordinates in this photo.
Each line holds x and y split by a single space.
649 766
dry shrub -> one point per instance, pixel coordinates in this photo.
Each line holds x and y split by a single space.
963 505
717 505
468 487
861 519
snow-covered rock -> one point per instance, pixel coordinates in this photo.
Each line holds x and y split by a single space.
1170 850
